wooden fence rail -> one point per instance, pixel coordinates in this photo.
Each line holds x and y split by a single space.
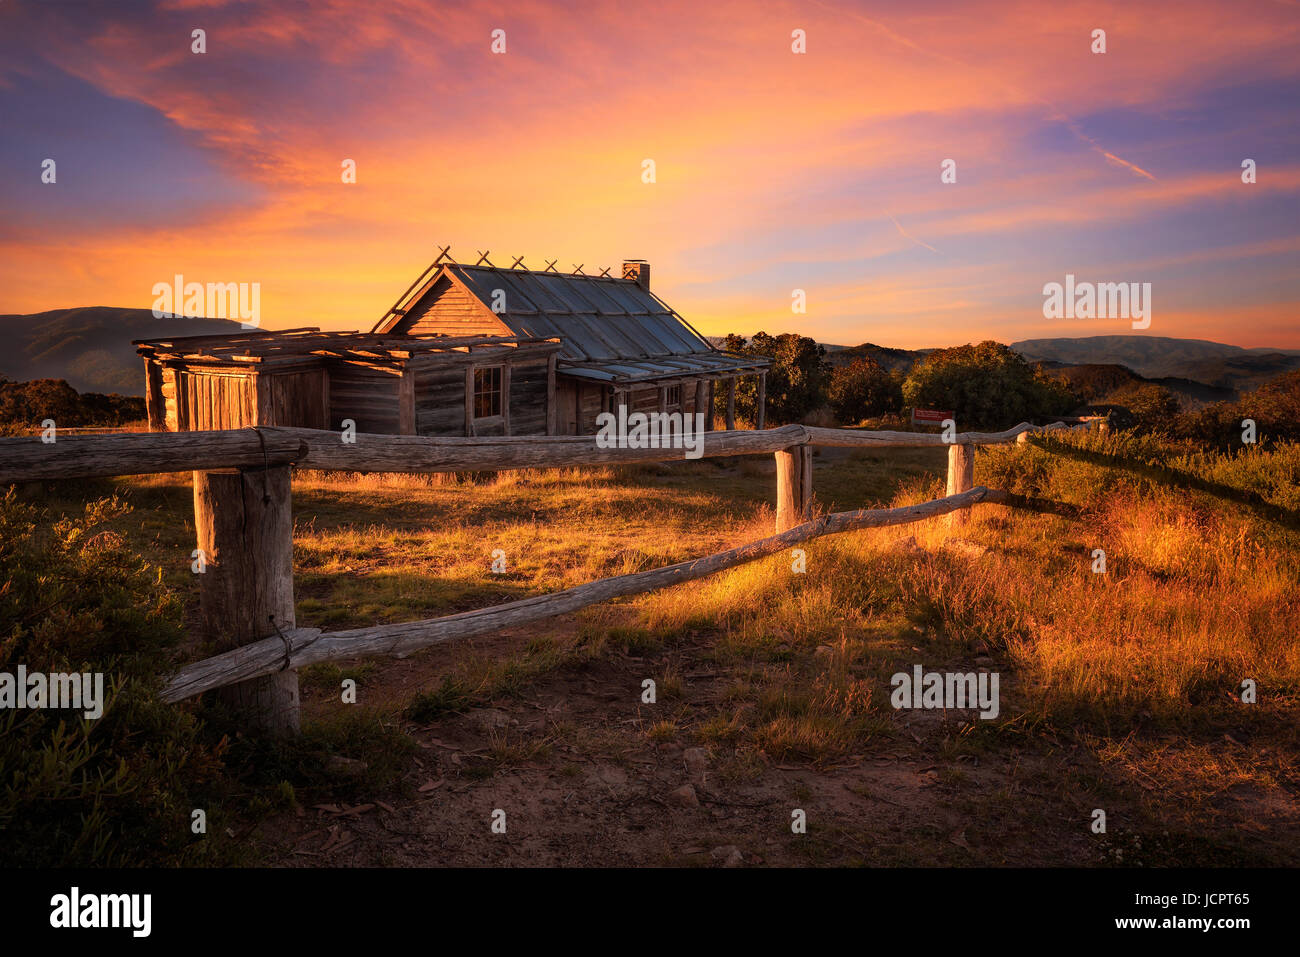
242 495
143 453
27 459
855 438
420 453
305 646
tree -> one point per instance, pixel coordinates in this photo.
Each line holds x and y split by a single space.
796 380
24 405
1274 408
863 389
986 386
1148 406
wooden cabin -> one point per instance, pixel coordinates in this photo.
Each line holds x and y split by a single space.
621 344
399 385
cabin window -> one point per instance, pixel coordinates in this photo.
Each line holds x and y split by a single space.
674 398
487 392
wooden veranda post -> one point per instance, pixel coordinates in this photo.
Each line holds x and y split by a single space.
154 404
961 477
761 414
405 403
702 400
552 413
245 532
793 487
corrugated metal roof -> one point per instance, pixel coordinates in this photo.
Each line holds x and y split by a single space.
611 329
599 318
716 363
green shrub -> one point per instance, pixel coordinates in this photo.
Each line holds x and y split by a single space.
796 379
862 389
1143 405
25 405
986 386
118 790
1274 408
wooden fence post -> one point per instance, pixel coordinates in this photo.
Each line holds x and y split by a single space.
961 477
245 531
793 487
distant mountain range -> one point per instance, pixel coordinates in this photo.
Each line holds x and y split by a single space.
1096 381
1158 357
1197 370
90 347
887 357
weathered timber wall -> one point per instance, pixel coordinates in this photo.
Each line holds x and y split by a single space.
209 402
450 309
440 400
293 398
368 397
528 396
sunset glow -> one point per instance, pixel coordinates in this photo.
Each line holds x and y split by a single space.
774 171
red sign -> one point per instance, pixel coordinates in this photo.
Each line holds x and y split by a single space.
930 416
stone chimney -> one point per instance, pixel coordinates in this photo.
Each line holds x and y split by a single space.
637 270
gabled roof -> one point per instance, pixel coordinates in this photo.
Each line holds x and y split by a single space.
611 329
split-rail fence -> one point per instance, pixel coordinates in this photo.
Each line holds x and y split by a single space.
245 530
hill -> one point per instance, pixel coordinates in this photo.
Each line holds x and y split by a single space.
90 346
888 357
1214 364
1095 381
893 360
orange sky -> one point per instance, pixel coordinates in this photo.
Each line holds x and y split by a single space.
775 171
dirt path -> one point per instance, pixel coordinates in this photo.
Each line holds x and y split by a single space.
573 764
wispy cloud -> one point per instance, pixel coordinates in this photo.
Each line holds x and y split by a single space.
773 167
908 236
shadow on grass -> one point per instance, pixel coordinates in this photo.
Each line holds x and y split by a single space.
1175 478
1035 503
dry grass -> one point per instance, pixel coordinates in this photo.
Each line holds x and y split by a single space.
1199 594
